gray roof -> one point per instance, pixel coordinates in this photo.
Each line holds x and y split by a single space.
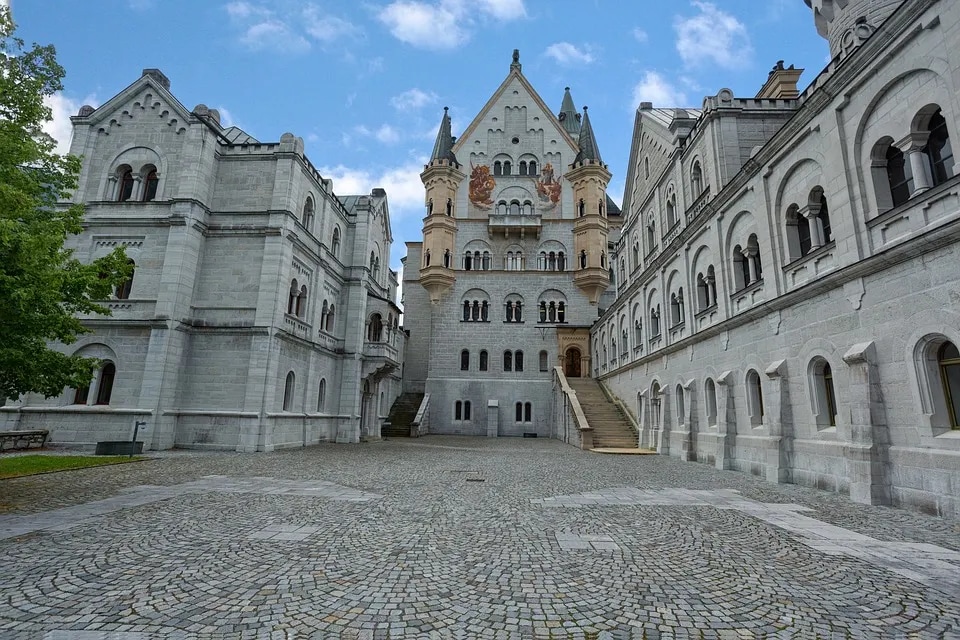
443 147
588 143
568 115
236 135
665 116
612 208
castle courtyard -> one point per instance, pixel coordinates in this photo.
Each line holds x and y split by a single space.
455 537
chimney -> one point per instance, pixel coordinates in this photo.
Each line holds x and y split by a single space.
781 83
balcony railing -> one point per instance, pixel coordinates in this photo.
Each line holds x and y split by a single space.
507 224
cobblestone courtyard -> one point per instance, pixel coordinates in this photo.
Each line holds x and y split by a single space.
458 537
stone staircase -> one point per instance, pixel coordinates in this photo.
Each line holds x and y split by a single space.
402 413
611 429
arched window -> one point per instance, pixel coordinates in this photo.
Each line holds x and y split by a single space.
696 179
430 207
636 254
754 266
543 361
824 217
655 321
464 360
710 395
581 208
324 310
506 167
376 269
646 168
754 398
527 412
561 261
676 308
331 320
426 258
508 361
288 389
825 398
292 298
446 258
335 245
948 360
583 259
518 413
449 207
899 176
518 361
799 241
938 150
523 167
467 261
703 293
322 395
375 328
307 217
651 236
498 168
301 309
561 312
671 211
151 182
458 410
681 406
533 168
125 188
466 410
123 289
105 383
483 361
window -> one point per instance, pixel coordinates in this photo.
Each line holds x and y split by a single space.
513 311
948 361
449 207
681 407
466 410
939 152
655 322
483 361
506 167
125 191
426 258
123 290
105 384
899 176
151 182
307 217
322 395
696 179
458 410
710 395
335 246
508 361
671 211
331 322
583 259
375 328
523 167
651 236
543 361
498 168
527 412
533 168
518 414
464 360
754 398
292 298
581 208
676 308
824 217
302 301
81 394
518 361
288 389
646 168
446 258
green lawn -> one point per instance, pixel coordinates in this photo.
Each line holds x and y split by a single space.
16 466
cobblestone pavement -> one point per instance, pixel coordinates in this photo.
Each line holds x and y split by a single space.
446 537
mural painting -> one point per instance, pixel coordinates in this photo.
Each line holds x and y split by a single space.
548 188
481 186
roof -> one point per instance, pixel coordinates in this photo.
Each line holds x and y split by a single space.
589 150
443 147
236 135
568 116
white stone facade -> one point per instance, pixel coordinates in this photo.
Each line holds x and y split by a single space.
251 322
796 271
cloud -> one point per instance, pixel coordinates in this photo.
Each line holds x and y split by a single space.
712 36
226 118
568 54
413 99
402 184
640 35
384 134
327 28
656 89
261 30
444 24
59 127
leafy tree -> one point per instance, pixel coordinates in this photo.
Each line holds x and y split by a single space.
42 286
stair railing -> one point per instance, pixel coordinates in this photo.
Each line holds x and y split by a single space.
421 422
624 409
571 424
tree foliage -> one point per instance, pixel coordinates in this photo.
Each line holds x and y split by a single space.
42 286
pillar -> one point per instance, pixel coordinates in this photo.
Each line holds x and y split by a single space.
726 428
867 451
779 453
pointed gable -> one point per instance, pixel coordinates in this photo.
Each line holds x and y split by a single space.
148 95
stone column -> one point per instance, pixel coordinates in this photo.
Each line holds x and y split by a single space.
812 214
727 432
748 255
661 405
493 418
915 145
867 452
779 454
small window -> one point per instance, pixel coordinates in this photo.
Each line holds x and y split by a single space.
466 410
81 394
681 406
754 398
483 361
322 396
710 394
543 361
288 389
151 183
125 191
123 290
519 412
464 360
105 384
508 361
458 410
948 360
527 412
518 361
335 247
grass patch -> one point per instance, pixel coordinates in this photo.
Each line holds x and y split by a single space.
17 466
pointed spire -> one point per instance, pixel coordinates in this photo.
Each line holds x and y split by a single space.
568 116
443 147
515 63
589 151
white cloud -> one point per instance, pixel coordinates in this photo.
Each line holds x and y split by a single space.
226 118
60 128
387 134
413 99
327 28
444 24
402 184
712 36
640 35
566 53
656 89
262 30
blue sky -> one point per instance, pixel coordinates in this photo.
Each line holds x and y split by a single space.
365 82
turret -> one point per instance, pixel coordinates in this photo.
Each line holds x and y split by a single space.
846 24
440 178
568 115
589 177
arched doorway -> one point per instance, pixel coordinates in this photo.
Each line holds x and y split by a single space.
571 363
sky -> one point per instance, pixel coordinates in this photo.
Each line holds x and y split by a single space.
364 82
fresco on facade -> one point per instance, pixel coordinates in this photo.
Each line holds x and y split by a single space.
481 186
548 188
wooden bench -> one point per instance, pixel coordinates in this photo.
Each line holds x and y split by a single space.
23 439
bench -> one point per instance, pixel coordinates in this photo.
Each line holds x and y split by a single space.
23 439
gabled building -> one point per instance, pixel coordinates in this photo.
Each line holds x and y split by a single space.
506 281
261 311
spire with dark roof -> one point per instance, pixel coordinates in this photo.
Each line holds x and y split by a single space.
589 151
443 147
568 116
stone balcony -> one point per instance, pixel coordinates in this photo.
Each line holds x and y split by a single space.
516 225
380 359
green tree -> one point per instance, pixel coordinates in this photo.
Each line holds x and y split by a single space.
42 286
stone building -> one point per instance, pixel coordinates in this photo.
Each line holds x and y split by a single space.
260 314
789 268
513 262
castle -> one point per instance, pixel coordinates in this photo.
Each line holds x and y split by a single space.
777 293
